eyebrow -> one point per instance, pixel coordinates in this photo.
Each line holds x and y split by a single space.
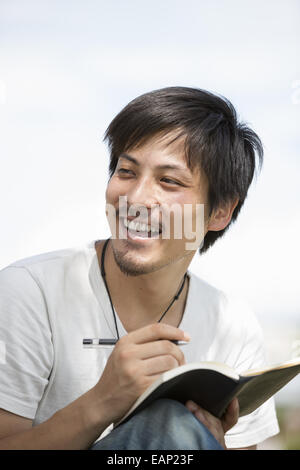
161 167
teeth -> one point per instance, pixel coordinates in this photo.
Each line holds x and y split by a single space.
136 226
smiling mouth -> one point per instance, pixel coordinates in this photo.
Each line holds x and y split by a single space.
141 230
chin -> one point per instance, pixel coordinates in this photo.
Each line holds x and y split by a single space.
131 262
131 267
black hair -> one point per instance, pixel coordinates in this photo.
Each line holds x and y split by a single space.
214 140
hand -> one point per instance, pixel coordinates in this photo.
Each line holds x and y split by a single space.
137 360
218 427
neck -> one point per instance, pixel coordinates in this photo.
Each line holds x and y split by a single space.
146 296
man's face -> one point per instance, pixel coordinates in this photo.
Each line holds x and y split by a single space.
151 179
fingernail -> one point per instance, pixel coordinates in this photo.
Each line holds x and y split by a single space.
186 336
191 406
199 415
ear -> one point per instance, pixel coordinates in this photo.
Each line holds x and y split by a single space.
221 216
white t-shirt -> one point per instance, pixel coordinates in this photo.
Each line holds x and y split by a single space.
50 302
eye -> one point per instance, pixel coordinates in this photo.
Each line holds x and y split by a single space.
127 172
124 171
170 181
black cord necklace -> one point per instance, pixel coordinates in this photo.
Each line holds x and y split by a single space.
176 297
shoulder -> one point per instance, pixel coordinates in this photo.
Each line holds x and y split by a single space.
53 256
232 329
46 265
204 290
227 306
33 289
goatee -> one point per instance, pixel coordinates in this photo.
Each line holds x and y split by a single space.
130 267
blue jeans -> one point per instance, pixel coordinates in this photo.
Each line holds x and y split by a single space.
163 425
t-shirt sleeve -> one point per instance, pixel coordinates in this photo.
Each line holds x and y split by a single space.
261 423
25 336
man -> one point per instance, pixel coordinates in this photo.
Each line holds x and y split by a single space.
175 148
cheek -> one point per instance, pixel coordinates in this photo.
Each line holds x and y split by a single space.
112 191
179 217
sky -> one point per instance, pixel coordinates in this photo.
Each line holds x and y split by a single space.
67 67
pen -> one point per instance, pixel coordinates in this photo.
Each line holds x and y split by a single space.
98 342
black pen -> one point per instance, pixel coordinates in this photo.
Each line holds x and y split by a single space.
98 342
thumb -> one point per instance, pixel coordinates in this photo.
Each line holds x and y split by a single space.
231 415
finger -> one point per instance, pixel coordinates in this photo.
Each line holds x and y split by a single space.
157 331
191 406
159 348
213 424
203 415
158 365
231 416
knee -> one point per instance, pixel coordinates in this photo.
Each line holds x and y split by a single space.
164 424
166 413
172 418
166 407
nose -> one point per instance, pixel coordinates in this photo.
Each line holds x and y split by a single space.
142 193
